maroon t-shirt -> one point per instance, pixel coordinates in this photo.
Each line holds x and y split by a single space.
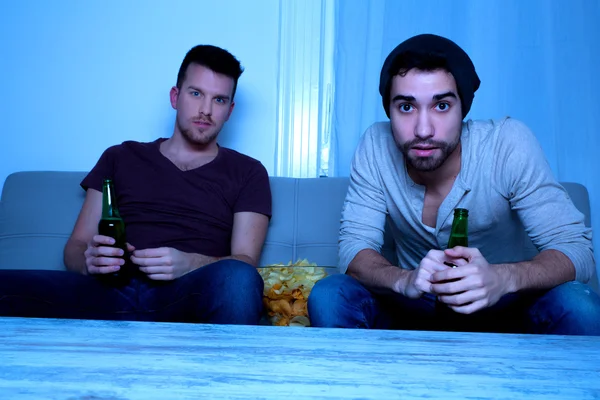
191 211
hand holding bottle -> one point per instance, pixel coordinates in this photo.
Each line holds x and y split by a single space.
470 287
101 257
421 279
111 232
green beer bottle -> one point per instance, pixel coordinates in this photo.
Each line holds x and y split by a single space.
458 235
111 224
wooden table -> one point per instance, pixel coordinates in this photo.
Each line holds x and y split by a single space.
80 359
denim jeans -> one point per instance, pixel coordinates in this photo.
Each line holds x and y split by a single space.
568 309
225 292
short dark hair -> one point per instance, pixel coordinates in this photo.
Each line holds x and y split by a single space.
422 61
213 58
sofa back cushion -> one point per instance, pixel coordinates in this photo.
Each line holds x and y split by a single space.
38 211
37 214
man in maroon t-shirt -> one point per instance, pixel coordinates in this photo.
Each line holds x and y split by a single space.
196 217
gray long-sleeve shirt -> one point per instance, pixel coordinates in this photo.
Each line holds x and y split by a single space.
505 182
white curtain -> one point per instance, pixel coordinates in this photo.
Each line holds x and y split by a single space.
538 61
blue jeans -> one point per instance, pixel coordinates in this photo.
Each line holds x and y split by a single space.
568 309
225 292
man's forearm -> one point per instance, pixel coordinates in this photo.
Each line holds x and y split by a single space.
375 272
74 256
548 269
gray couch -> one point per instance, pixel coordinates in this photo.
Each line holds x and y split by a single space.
38 211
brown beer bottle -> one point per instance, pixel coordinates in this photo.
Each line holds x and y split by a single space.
111 224
458 234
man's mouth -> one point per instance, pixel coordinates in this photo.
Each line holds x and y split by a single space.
423 151
202 122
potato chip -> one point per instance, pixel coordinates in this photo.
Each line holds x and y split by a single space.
286 290
299 308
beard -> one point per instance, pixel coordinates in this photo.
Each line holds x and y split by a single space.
197 137
431 163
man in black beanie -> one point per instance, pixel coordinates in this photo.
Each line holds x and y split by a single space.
412 173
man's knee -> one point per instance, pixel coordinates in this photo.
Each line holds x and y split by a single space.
332 297
577 298
240 294
571 308
236 274
329 291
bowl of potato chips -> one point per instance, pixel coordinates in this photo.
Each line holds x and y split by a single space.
286 291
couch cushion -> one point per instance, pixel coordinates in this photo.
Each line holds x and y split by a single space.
38 211
581 198
37 214
306 220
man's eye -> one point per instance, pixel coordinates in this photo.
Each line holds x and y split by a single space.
220 100
405 107
196 94
443 106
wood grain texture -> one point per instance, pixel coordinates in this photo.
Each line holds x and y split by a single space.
80 359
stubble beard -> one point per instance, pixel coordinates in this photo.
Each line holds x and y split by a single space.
197 137
428 164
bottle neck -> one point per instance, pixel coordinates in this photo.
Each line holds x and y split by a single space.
109 203
459 226
461 212
458 234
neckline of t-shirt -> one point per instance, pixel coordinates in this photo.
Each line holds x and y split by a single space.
157 143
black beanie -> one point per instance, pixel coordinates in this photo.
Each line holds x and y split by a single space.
458 62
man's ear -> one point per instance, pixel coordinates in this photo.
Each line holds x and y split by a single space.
230 109
174 95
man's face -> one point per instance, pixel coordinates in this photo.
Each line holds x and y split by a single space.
426 117
203 104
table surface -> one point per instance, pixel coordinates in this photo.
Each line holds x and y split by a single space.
83 359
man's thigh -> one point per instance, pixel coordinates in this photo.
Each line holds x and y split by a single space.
63 294
224 291
341 301
570 308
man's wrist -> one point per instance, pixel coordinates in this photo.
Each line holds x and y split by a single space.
509 277
200 260
401 281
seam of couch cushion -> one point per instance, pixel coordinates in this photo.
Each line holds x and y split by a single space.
276 243
33 234
304 245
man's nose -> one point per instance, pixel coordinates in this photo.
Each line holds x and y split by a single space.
424 128
205 106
